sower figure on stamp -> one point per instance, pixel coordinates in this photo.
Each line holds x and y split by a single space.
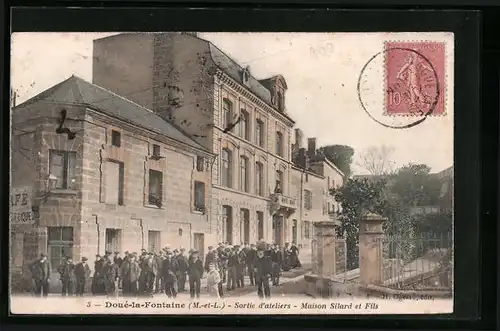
263 271
168 270
130 272
195 272
410 73
277 262
182 267
67 276
40 271
82 272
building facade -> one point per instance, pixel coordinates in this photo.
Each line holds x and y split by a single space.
113 177
313 178
243 121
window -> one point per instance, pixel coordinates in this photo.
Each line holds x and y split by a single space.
227 219
259 179
60 244
116 138
113 240
62 165
244 125
307 178
156 150
245 226
199 196
115 182
155 196
260 225
200 163
307 199
243 173
227 113
154 241
279 182
259 133
226 164
306 230
279 144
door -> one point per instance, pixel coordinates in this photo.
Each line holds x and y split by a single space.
278 230
294 232
113 240
199 244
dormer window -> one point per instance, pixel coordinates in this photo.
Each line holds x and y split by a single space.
280 100
156 150
245 75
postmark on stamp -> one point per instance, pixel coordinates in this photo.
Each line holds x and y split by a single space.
414 75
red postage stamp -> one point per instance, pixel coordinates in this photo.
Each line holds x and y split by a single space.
415 78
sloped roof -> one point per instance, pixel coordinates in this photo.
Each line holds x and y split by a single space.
77 91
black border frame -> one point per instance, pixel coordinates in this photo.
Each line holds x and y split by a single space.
465 25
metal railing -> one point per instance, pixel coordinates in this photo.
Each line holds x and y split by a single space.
417 262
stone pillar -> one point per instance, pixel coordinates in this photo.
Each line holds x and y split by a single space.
325 236
370 249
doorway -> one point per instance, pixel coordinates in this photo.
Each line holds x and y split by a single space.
278 230
199 243
294 232
113 240
227 218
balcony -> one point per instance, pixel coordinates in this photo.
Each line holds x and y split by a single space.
283 204
334 217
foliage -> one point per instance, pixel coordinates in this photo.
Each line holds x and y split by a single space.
392 197
340 155
415 186
356 197
376 160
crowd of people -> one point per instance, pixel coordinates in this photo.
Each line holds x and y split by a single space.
169 271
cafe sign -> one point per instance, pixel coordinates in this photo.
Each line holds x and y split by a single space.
21 205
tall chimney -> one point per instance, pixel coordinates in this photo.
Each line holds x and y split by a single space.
298 138
311 146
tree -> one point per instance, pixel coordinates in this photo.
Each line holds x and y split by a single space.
340 155
356 197
376 160
415 186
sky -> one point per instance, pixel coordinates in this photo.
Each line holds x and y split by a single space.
321 71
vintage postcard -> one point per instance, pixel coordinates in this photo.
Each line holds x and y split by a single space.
231 173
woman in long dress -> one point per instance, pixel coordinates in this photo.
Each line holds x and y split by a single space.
213 280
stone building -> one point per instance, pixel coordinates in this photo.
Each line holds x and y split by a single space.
113 177
313 177
242 120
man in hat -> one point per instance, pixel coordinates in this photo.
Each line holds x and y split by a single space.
118 259
40 271
82 272
195 273
159 276
263 271
240 266
182 268
251 255
277 262
110 276
169 268
98 280
209 258
232 265
148 272
223 256
130 272
67 276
